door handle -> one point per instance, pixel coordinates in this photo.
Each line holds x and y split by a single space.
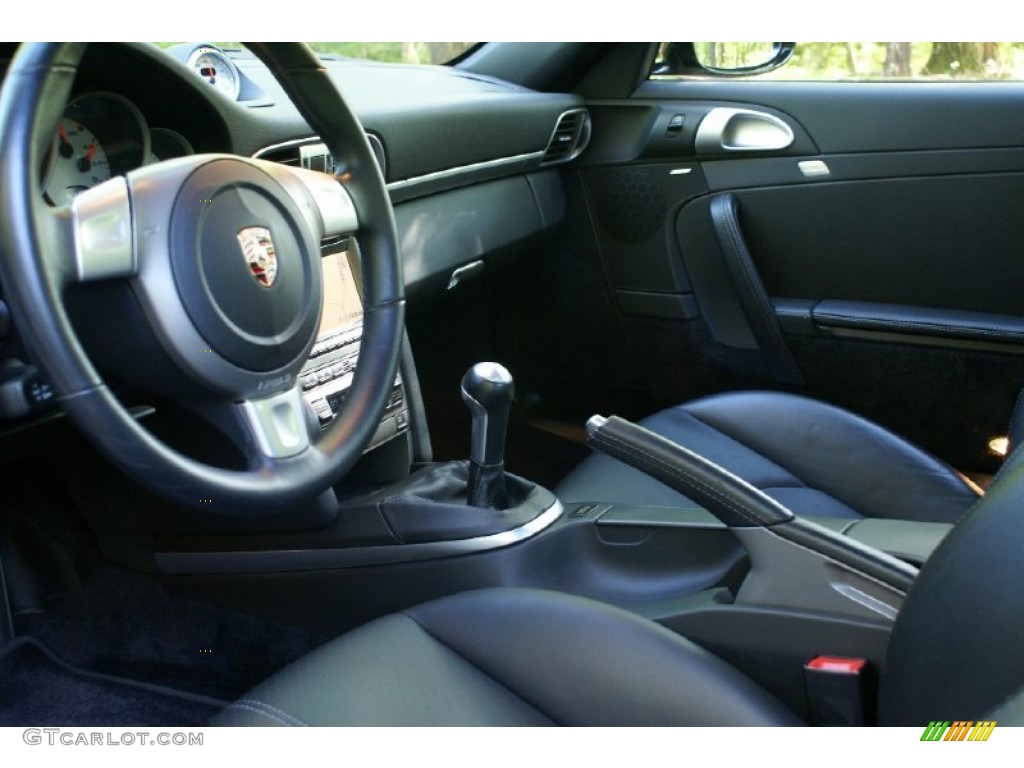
725 129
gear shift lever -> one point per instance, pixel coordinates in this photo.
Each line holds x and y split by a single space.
487 392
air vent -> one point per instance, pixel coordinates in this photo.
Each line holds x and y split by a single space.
570 137
312 153
283 154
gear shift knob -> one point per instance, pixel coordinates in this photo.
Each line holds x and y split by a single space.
487 392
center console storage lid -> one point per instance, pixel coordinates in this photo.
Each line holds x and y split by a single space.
659 517
908 540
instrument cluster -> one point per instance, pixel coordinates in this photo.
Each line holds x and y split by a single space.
102 135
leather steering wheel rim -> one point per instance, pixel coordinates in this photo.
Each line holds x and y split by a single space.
35 91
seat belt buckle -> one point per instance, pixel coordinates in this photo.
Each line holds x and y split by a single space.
837 690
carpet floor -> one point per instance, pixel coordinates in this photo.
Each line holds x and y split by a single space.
37 688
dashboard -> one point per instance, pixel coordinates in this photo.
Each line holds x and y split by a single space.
469 159
437 128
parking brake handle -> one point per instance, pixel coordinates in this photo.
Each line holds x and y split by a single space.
487 392
728 497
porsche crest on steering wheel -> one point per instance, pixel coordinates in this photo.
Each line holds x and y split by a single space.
258 251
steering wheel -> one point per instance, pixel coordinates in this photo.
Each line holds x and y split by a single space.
193 238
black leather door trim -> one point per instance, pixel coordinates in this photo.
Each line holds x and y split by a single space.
871 117
926 321
902 324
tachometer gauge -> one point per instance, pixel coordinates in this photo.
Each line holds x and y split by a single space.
214 66
80 162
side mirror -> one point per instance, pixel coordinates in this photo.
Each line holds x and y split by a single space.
720 59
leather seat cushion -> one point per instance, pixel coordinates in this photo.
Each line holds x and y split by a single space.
816 459
509 657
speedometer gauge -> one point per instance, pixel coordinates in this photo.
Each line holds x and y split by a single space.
101 135
80 162
214 66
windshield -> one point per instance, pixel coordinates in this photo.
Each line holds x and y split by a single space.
409 53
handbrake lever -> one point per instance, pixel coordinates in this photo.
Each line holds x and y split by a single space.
795 561
729 498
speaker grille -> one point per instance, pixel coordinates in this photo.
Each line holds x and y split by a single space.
630 205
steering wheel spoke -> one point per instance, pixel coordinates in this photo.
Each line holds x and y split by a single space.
101 231
322 198
276 424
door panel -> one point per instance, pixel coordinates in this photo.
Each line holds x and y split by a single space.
894 261
948 242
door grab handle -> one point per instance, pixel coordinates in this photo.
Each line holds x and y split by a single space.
750 290
725 129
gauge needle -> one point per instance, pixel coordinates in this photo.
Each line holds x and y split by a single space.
66 150
86 162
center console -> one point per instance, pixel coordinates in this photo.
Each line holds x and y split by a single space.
327 375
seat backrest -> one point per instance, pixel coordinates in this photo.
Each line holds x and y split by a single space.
1016 430
956 647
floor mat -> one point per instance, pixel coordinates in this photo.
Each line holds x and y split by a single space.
134 629
37 688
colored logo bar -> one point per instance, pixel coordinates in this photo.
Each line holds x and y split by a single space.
958 730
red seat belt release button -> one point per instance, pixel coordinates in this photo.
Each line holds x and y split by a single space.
837 690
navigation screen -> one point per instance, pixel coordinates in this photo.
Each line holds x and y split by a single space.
343 309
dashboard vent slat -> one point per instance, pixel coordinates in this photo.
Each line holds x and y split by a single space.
570 137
